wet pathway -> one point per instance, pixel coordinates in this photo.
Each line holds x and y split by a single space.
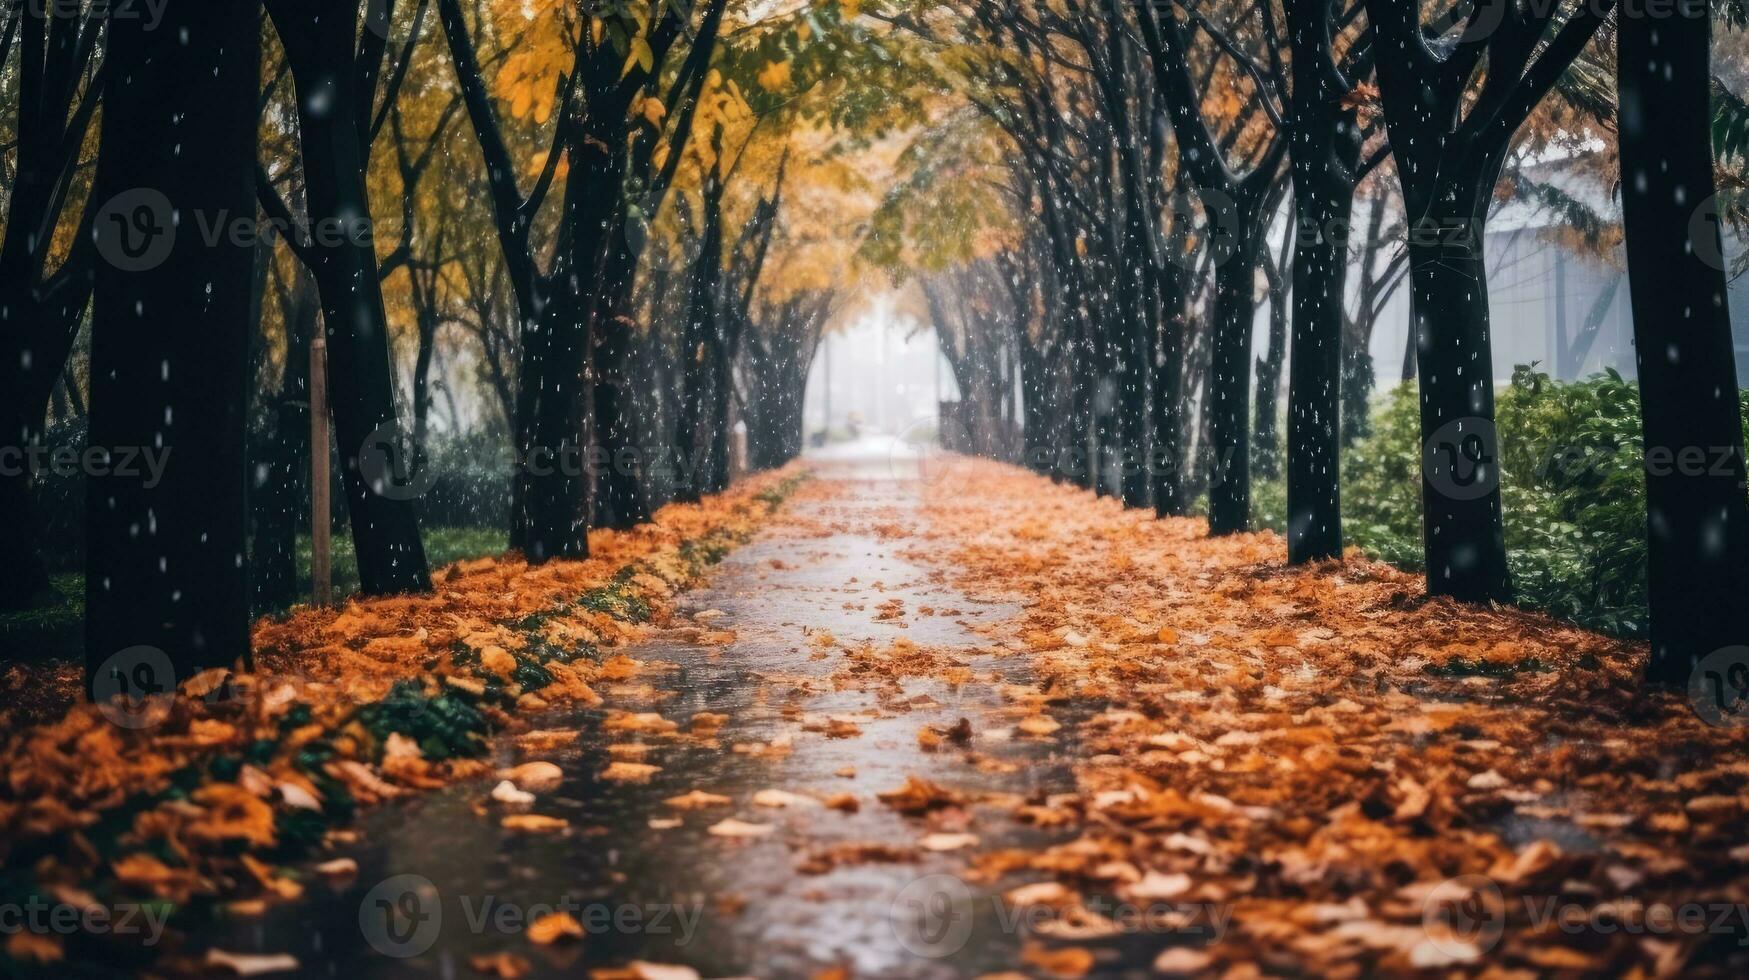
846 643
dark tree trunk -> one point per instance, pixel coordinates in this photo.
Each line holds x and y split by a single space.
701 351
1229 384
39 317
1326 151
427 329
377 464
1464 538
1697 525
165 562
1266 440
620 489
1314 425
1314 438
1167 459
1358 379
279 492
553 410
1450 129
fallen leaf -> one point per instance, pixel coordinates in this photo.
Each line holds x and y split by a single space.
553 927
947 842
629 772
738 828
696 800
534 823
251 964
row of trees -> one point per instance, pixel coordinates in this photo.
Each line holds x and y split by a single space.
1147 153
204 190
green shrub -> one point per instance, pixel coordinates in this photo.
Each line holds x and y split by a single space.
1572 485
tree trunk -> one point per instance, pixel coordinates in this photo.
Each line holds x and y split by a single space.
1167 459
1464 539
1266 441
378 468
428 323
1229 386
1358 378
1314 427
700 351
1697 527
1326 152
553 411
166 582
620 490
280 491
38 319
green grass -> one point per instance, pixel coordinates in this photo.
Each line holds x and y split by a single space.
18 629
442 546
54 631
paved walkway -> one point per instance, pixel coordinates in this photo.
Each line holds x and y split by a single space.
851 667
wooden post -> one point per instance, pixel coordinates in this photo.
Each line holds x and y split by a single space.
321 574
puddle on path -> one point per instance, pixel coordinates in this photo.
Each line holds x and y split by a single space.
438 883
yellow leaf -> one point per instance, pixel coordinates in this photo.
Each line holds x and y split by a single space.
774 77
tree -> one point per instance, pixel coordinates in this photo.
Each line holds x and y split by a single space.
1697 525
717 314
1449 138
1238 204
776 354
40 310
336 90
1325 162
165 563
279 491
621 496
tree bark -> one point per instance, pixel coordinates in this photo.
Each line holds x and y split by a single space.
701 350
376 459
165 564
279 493
1326 151
1266 439
1464 537
1697 525
1229 386
553 409
39 317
